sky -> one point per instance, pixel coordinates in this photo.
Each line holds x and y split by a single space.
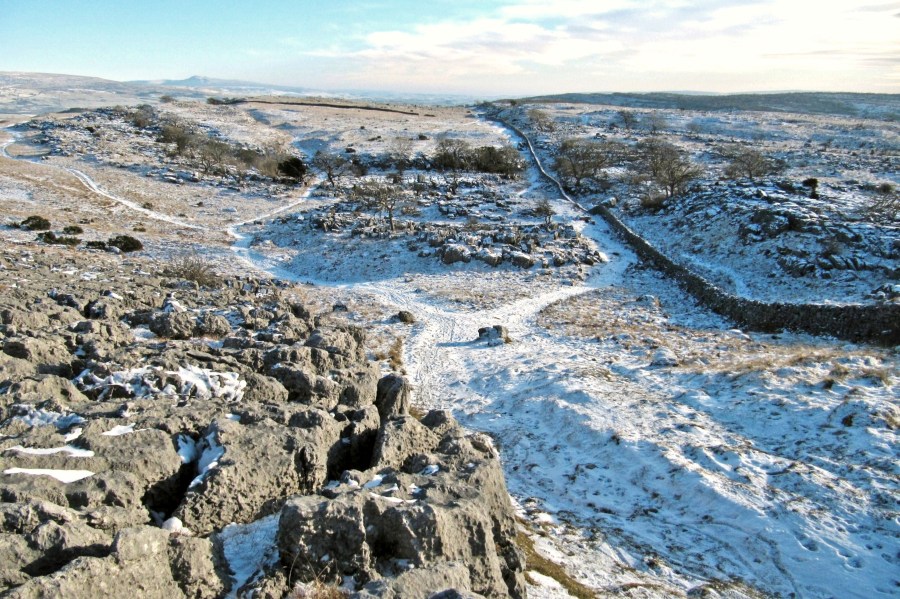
487 48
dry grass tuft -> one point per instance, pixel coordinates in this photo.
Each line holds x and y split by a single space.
395 355
540 564
317 590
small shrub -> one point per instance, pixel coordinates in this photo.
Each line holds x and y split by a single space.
95 245
73 230
653 201
35 223
292 168
125 243
166 99
192 267
406 317
52 238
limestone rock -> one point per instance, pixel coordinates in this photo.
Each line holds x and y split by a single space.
393 397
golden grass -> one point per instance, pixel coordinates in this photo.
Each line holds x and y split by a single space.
540 564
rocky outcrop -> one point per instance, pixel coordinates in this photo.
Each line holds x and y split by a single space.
228 440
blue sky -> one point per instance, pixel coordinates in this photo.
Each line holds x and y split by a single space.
489 48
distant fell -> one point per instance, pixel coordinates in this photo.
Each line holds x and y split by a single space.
877 106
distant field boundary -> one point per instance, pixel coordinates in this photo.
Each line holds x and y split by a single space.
878 323
333 105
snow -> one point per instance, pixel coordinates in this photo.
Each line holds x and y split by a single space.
74 452
40 417
119 430
249 549
204 383
175 526
63 476
144 382
209 457
74 434
187 449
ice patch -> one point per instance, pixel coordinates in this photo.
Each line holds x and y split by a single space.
375 482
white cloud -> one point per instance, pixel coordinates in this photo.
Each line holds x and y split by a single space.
538 46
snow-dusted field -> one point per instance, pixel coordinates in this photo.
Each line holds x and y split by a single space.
651 449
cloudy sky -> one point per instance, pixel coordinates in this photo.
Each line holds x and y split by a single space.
473 47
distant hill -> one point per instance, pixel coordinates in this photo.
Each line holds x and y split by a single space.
877 106
38 93
235 85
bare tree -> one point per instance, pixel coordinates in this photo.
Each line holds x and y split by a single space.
579 159
540 120
333 165
629 120
400 152
213 154
666 165
380 196
655 122
748 162
545 210
452 154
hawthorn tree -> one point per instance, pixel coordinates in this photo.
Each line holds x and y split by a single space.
578 159
666 165
380 196
333 165
545 210
749 163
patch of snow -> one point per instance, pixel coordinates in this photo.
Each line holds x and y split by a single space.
75 452
209 458
187 449
41 417
119 429
249 549
73 434
63 476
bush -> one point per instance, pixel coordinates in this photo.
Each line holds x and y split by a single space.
749 163
143 116
192 267
292 168
125 243
95 245
73 230
52 238
35 223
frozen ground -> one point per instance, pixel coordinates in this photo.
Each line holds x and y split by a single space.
653 451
